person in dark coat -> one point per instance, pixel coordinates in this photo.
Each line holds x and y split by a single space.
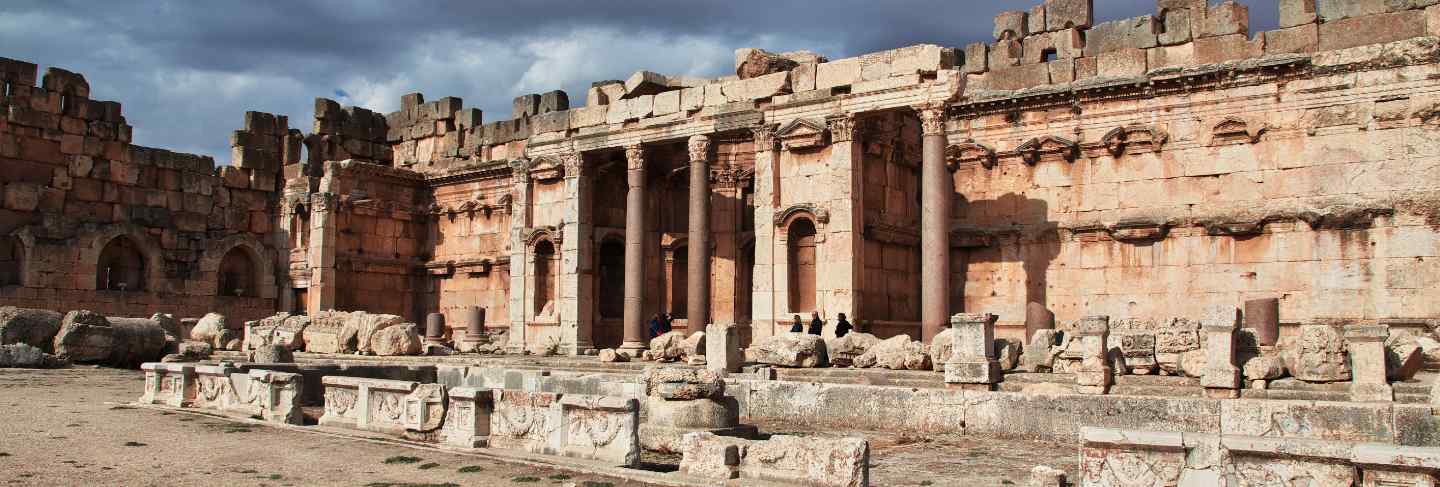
656 326
668 324
816 324
842 327
798 327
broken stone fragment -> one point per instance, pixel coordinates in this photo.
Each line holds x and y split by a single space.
896 353
272 354
36 327
25 356
789 350
681 384
753 63
84 337
609 355
1403 357
844 350
1265 367
1318 355
209 328
669 347
401 339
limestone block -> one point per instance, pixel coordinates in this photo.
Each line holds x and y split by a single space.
692 99
324 333
787 459
669 347
754 63
1220 324
977 56
1366 345
1094 375
1334 10
193 351
1043 476
1192 364
683 384
209 329
135 341
707 455
588 116
1178 336
973 359
1039 355
1007 353
1066 14
1300 39
694 345
84 337
722 348
1318 355
1012 25
609 355
550 122
835 74
1264 367
1035 19
1011 78
1371 29
601 428
21 196
942 346
361 327
261 332
424 410
367 404
401 339
1176 27
1006 53
25 356
467 418
36 327
896 353
1297 12
1227 18
667 103
272 354
1403 356
1132 33
275 396
1063 44
1138 350
789 350
527 421
169 384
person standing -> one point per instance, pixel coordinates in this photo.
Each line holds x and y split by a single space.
656 326
816 324
842 327
798 327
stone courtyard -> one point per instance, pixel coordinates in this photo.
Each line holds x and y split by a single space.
1158 251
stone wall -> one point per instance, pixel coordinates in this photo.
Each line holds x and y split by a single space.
97 223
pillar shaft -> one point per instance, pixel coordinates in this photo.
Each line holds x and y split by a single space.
936 188
698 280
635 338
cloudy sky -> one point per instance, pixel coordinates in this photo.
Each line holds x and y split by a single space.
187 70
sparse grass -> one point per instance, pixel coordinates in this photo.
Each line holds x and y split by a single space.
3 454
393 484
592 483
401 460
249 470
927 482
471 469
186 420
134 443
275 476
559 476
524 479
428 466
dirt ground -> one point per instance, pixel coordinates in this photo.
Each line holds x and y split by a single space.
74 427
70 427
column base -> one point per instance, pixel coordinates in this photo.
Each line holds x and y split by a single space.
632 349
1372 393
986 372
1220 393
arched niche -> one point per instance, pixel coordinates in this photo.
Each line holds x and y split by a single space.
121 266
802 251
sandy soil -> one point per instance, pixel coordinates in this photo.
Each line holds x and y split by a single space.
71 427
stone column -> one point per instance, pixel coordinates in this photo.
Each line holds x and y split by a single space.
839 282
519 225
1094 375
722 348
434 328
973 364
697 300
474 329
577 274
321 293
1221 378
767 194
1263 316
936 188
1367 361
635 339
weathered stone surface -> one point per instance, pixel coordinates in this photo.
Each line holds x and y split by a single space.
135 341
272 354
324 335
694 345
1043 476
36 327
1175 27
1318 355
467 417
1132 33
753 63
1227 18
1178 336
1297 12
942 347
789 350
609 355
84 337
669 347
1265 367
400 339
682 384
361 327
791 460
844 350
1012 25
194 351
209 329
756 88
1403 356
1298 40
1371 29
25 356
1040 354
722 347
1066 14
896 353
1007 353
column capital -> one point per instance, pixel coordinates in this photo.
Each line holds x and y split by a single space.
764 138
843 128
699 148
520 170
573 163
635 157
932 118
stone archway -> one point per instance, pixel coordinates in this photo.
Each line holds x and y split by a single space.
546 269
121 266
237 274
801 239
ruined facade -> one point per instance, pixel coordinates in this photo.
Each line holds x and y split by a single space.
1146 167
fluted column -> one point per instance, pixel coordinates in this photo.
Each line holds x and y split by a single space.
635 338
697 301
936 188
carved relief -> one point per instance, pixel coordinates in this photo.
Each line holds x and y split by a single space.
1235 130
523 416
699 147
590 428
843 128
969 152
635 157
764 138
520 170
801 134
339 401
571 162
546 169
1134 139
932 118
1048 148
1130 468
386 407
822 216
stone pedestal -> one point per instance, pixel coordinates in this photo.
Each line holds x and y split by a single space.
681 401
1263 316
1094 376
1221 378
973 364
474 330
435 329
722 348
1366 344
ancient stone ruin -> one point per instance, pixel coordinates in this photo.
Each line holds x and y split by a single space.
1191 250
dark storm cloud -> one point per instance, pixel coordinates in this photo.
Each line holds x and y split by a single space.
187 70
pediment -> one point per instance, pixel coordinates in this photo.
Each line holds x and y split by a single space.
801 134
1048 148
969 152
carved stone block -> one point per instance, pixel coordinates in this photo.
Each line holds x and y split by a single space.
169 384
467 419
601 428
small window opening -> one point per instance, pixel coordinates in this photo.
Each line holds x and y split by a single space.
1049 55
